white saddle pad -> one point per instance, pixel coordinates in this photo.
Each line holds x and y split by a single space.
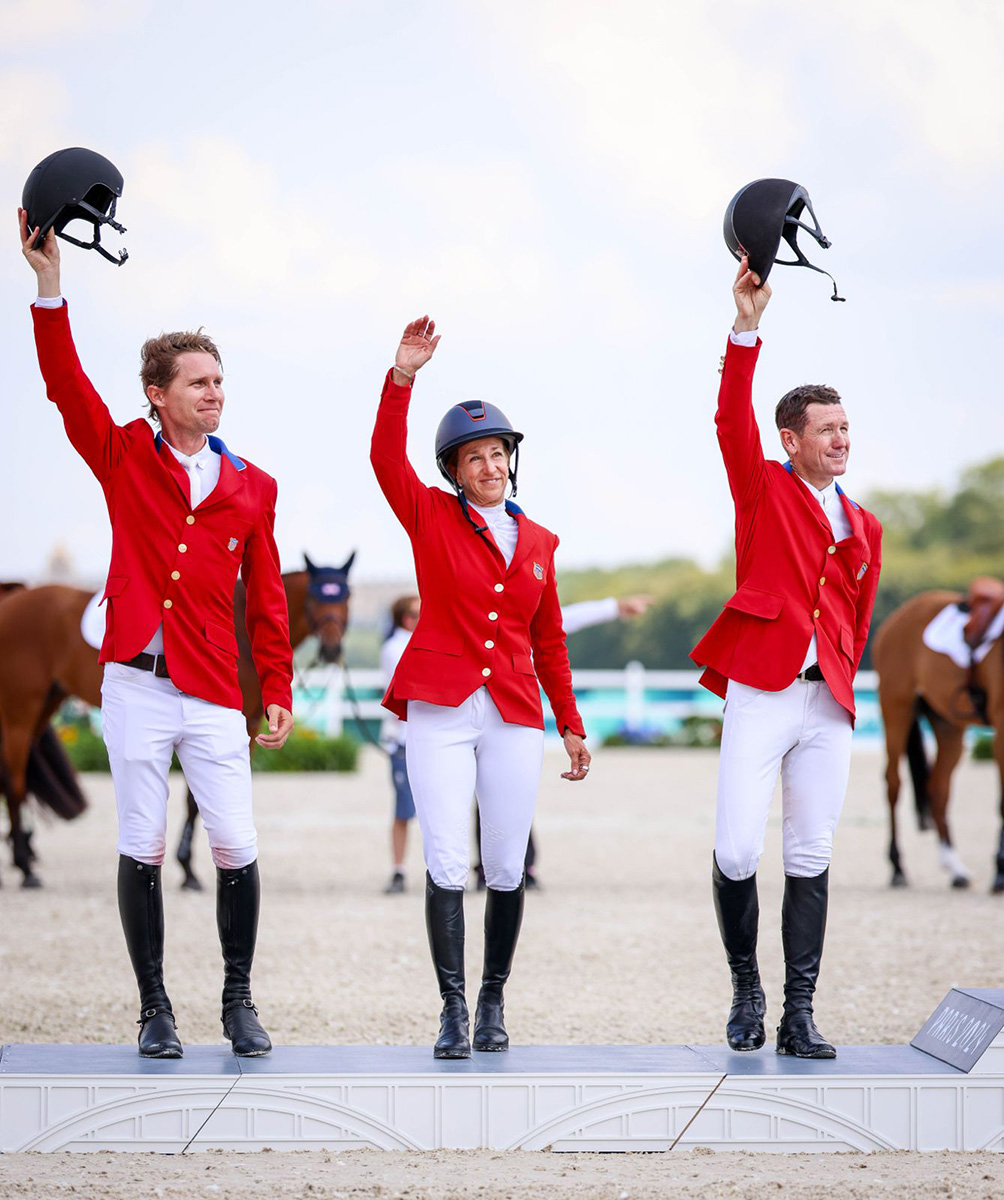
944 635
92 623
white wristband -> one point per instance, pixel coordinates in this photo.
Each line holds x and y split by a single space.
407 374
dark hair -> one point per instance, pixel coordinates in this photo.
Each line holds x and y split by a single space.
399 610
790 411
159 356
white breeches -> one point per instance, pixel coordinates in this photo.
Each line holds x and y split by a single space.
803 732
144 720
454 753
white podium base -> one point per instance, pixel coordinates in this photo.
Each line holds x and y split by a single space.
612 1098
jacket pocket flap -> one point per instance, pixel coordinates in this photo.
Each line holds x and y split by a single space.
115 585
847 642
523 663
756 603
221 636
443 643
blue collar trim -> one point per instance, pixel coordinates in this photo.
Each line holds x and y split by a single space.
840 491
513 509
217 445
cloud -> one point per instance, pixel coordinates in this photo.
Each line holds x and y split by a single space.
26 23
210 210
670 104
941 67
34 102
655 95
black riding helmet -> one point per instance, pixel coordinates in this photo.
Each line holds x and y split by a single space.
764 212
74 184
468 421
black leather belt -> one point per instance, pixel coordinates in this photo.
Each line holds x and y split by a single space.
811 674
156 663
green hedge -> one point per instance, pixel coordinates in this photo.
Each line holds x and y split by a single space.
983 747
304 751
85 749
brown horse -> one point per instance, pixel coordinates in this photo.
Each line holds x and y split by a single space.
915 682
49 775
44 659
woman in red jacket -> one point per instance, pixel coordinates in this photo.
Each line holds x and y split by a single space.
467 684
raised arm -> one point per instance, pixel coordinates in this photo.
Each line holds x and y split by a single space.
89 425
405 492
738 433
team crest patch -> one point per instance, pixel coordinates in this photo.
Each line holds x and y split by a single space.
538 570
232 544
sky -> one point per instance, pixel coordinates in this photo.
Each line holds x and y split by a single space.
547 179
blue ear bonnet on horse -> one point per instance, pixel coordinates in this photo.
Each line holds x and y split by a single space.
329 585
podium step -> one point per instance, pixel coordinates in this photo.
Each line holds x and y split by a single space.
612 1098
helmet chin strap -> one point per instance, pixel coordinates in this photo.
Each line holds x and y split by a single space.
792 226
466 511
100 219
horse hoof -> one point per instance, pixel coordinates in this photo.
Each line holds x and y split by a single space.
31 881
191 884
998 886
960 881
898 879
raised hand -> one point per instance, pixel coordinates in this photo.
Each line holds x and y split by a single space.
43 259
751 297
418 344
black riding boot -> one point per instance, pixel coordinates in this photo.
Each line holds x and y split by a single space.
141 907
738 910
238 895
503 918
444 919
803 923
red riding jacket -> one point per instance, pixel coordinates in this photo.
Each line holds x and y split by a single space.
480 620
792 579
169 563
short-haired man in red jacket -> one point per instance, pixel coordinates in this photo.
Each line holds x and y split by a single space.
784 653
186 516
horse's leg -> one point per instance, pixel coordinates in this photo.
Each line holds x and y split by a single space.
184 852
17 747
950 743
998 884
898 721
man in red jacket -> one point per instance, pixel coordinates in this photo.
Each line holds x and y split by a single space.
784 654
186 515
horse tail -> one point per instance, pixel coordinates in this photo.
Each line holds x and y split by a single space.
51 778
920 771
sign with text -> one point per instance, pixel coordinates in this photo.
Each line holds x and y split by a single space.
963 1026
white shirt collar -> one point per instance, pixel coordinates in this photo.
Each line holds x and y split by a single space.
198 459
824 495
493 513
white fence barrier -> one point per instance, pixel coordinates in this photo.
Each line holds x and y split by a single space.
324 698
